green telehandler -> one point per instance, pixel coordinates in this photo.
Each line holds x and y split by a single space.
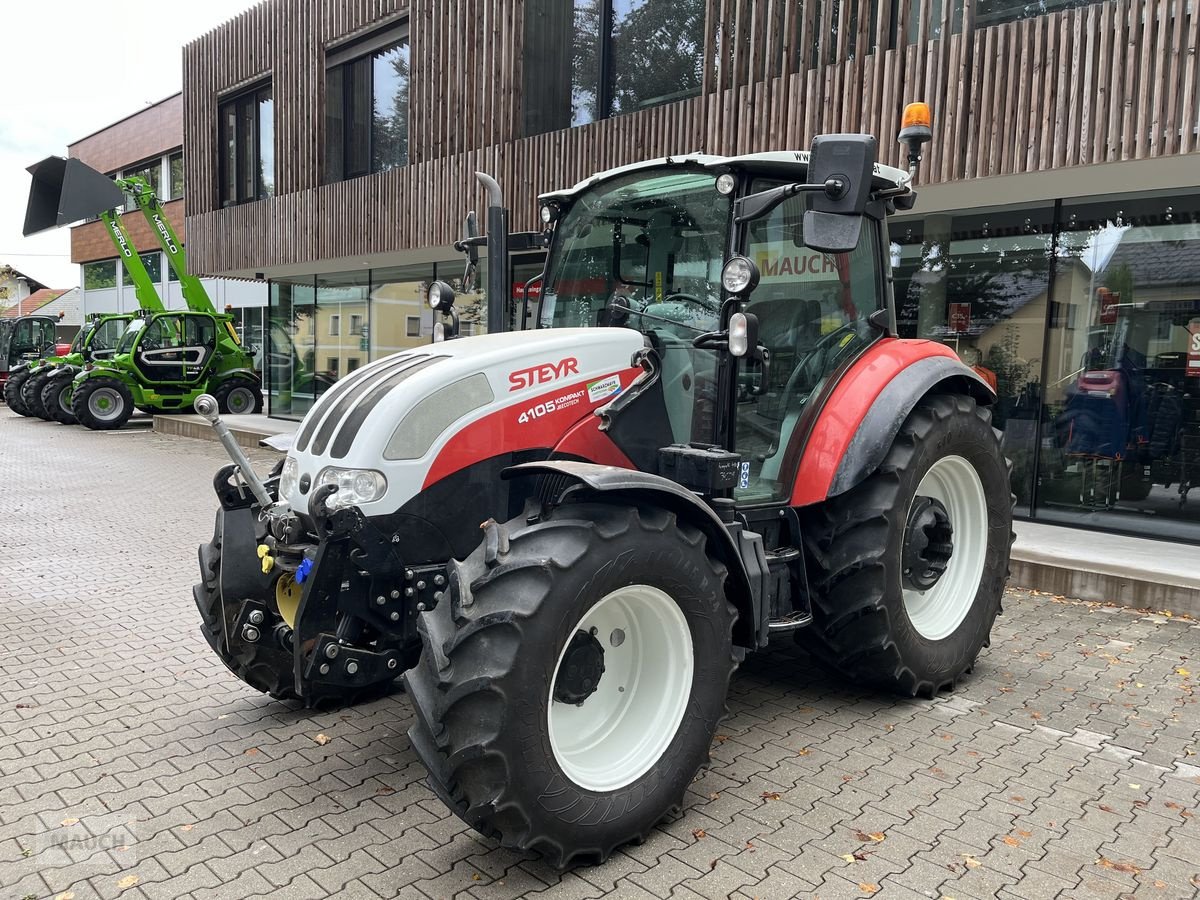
23 340
164 359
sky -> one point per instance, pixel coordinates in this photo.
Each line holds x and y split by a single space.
69 68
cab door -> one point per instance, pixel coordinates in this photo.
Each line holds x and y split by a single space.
176 347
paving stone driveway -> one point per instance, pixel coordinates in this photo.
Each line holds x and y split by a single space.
133 764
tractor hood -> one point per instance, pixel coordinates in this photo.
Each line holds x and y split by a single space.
422 415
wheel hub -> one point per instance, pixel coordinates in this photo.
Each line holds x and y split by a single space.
928 543
580 670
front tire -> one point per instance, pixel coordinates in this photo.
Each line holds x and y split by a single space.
102 403
56 400
908 567
572 678
12 392
238 396
31 394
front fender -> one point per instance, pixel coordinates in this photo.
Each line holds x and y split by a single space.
863 415
618 484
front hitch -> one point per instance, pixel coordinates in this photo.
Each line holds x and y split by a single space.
206 406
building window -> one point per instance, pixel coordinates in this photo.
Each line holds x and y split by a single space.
175 167
100 275
592 59
366 106
335 326
246 143
332 366
352 363
149 172
153 263
356 324
412 326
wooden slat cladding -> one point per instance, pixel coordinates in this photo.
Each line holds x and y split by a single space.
1115 80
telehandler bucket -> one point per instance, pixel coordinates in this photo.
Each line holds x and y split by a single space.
65 191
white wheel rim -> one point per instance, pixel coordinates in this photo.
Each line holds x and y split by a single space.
240 400
97 407
936 613
64 401
625 726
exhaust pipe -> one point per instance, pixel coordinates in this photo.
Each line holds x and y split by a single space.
206 405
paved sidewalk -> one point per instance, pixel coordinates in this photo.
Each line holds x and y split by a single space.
133 764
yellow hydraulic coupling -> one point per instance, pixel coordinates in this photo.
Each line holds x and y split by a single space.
268 561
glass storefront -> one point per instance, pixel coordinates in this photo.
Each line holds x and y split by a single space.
1086 319
321 327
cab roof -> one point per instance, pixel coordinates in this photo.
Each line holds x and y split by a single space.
787 164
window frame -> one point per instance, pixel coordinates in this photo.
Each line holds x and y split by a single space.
335 324
252 96
342 58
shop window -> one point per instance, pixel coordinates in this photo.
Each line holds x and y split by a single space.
153 264
592 59
366 106
1121 420
293 382
335 326
246 144
981 285
100 275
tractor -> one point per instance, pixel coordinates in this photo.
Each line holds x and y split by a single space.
567 538
23 340
164 359
42 388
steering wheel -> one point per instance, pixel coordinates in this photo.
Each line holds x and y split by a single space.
809 366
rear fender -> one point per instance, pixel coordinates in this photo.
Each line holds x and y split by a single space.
863 415
618 485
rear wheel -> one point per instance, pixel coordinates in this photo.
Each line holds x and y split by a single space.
238 396
31 393
572 678
102 403
909 566
12 392
56 400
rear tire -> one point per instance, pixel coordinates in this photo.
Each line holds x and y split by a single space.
510 647
102 403
12 392
31 394
239 396
869 622
56 400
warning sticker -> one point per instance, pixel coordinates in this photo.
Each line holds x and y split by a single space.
605 387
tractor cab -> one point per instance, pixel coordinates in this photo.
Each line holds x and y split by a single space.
99 338
645 248
24 339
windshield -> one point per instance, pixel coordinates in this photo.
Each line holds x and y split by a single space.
106 335
129 338
644 251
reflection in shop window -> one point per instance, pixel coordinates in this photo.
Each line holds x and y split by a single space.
1121 427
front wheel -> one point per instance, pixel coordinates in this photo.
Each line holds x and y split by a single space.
31 393
12 392
56 400
102 403
572 678
909 566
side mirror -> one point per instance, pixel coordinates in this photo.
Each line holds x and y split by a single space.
833 221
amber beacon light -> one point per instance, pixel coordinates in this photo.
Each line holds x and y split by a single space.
914 131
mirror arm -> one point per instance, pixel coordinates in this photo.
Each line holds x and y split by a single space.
757 205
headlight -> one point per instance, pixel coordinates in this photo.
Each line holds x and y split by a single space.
739 276
287 478
354 486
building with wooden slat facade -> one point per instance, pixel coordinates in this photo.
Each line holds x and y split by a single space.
330 148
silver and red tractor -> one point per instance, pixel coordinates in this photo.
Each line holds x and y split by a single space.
565 538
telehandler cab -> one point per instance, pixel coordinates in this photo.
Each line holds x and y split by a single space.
164 359
567 538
